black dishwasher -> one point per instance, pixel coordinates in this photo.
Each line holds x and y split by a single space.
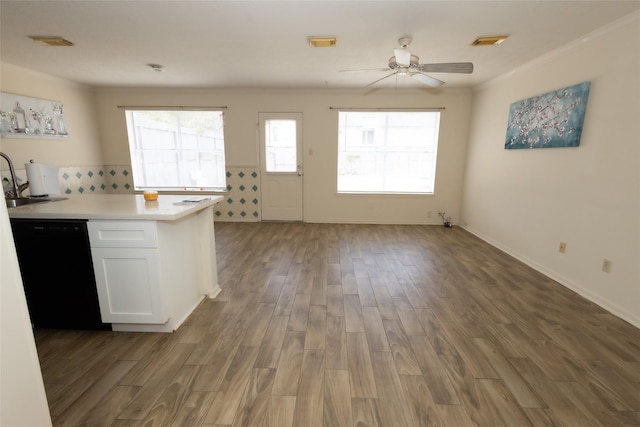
57 273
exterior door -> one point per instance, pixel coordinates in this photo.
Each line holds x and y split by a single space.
281 166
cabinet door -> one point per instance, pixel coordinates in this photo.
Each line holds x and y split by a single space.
128 284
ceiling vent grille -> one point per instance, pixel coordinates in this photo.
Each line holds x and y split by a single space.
488 41
315 41
51 41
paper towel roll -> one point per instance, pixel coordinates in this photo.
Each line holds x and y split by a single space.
43 179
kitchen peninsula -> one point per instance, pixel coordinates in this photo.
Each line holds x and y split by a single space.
153 261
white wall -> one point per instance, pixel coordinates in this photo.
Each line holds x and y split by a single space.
528 201
320 139
22 395
23 402
82 148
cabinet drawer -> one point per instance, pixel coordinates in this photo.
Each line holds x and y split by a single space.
123 234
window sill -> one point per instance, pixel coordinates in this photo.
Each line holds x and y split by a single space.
396 194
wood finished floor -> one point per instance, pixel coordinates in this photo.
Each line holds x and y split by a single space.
357 325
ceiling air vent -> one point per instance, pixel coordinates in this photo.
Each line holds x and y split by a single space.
488 41
51 41
315 41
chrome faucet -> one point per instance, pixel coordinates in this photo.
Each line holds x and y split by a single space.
17 189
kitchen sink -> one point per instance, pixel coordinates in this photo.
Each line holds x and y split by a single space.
14 202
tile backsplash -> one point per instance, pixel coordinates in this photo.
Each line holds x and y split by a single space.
96 180
241 200
87 179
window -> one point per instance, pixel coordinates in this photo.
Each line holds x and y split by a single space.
177 150
387 152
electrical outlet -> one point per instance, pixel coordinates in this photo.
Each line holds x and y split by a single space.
562 248
606 265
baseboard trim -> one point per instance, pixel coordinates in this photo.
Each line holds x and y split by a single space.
614 309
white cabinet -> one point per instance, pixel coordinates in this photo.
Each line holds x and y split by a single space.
126 261
154 262
128 285
123 234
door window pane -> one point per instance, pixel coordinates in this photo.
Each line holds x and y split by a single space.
280 145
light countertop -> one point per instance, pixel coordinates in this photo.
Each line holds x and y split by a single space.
115 207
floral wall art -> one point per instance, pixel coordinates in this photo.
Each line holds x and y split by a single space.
27 117
553 119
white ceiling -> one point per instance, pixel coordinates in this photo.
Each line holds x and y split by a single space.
264 43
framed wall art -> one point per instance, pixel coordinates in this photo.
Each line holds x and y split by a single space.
27 117
553 119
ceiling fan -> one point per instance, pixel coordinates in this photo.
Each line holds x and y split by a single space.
403 63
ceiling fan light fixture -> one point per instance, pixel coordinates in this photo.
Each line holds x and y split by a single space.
51 40
488 40
404 63
404 42
324 41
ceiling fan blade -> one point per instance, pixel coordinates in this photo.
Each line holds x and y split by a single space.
428 80
403 58
451 67
374 82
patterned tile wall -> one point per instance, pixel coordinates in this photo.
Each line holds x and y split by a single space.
96 180
241 200
87 179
